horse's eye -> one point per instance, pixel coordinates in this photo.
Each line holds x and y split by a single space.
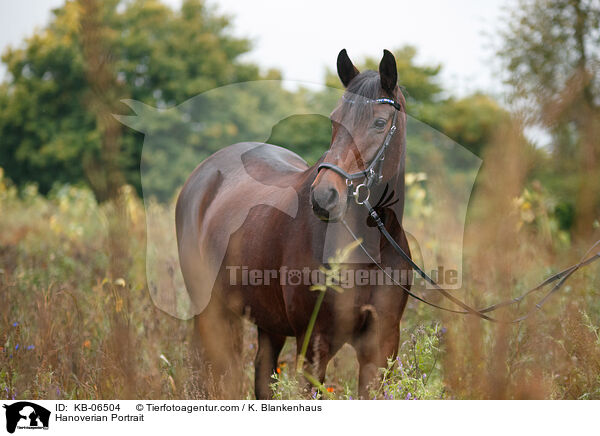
380 123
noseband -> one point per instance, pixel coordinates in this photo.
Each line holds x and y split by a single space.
373 172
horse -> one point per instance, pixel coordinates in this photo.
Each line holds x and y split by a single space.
366 158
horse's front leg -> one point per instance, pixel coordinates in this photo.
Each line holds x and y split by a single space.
318 354
265 363
377 341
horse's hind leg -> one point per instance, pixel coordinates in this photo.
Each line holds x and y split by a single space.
217 346
265 363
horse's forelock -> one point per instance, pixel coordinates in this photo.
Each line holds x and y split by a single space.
357 105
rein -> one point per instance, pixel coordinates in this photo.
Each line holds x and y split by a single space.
468 310
373 173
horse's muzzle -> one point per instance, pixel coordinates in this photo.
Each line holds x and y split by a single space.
327 204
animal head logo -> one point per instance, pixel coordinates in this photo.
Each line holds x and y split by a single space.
177 139
26 415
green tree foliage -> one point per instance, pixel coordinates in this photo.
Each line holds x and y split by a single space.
160 56
471 121
49 129
551 50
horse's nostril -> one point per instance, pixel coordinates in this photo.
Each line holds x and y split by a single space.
324 202
326 199
333 197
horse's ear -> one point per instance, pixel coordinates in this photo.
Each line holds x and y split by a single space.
346 70
388 72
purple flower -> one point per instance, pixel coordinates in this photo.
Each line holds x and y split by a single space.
15 324
17 347
444 330
424 375
30 347
408 396
57 391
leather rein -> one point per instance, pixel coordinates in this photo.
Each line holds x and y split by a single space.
373 173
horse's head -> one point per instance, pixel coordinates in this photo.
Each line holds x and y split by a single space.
368 125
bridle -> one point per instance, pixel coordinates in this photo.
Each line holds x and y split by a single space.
373 173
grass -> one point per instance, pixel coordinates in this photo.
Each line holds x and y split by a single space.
71 330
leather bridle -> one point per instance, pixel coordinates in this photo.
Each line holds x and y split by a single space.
373 173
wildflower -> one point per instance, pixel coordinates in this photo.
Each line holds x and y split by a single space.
314 394
57 391
17 347
278 370
87 343
424 375
30 347
164 359
330 390
408 396
15 324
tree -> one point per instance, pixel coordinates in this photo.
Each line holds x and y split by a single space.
551 50
471 121
48 133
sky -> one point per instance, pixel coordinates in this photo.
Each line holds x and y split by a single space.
302 39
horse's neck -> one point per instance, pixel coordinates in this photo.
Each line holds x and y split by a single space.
400 191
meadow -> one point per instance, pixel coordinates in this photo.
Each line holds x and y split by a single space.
70 330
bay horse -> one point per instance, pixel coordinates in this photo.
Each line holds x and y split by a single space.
366 157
